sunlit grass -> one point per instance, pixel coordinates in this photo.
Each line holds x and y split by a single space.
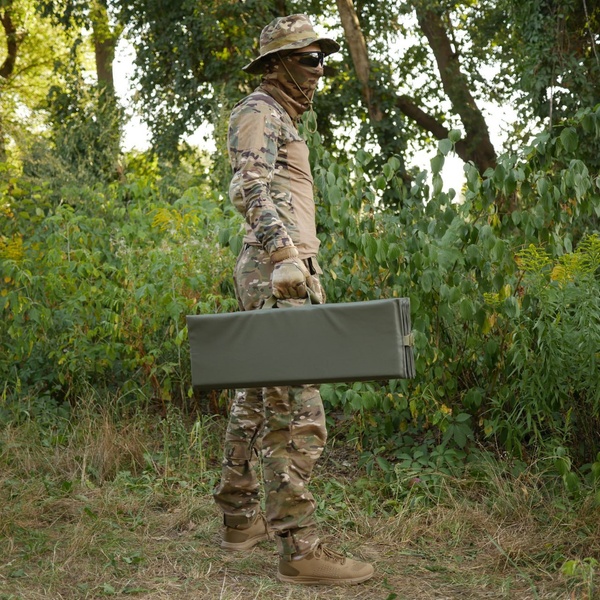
106 504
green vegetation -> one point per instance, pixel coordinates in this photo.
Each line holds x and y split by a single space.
483 472
478 479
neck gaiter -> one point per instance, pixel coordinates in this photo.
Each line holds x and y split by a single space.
293 85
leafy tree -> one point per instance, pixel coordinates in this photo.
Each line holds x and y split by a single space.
58 121
8 65
86 118
188 61
408 70
29 48
81 17
554 47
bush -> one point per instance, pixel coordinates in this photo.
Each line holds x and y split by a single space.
486 353
503 282
96 293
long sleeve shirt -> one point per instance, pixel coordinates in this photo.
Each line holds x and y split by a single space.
272 186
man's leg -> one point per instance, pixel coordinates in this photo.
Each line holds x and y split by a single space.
294 438
238 493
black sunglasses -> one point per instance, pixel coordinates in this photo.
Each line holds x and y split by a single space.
310 59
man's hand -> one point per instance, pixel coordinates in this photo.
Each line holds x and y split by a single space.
289 279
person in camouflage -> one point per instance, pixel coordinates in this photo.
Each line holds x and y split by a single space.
272 188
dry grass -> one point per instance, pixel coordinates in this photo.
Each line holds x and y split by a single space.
114 511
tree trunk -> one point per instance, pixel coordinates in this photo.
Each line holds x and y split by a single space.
359 54
477 145
13 39
105 42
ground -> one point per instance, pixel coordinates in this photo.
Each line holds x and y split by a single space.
103 514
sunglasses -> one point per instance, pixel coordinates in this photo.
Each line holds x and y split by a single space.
310 59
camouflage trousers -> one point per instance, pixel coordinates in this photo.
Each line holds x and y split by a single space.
285 426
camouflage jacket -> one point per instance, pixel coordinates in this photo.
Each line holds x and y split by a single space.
272 185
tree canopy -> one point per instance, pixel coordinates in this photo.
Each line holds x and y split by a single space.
408 73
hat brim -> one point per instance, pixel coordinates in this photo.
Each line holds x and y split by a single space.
328 46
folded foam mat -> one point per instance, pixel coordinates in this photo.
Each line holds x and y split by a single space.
315 343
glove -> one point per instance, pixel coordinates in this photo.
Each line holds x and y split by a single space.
289 279
289 276
315 290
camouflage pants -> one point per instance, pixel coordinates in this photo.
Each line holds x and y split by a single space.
285 424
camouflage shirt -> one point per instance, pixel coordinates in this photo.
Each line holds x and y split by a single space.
272 185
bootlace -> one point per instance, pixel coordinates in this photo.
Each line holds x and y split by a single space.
321 551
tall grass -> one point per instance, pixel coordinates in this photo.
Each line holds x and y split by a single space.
114 502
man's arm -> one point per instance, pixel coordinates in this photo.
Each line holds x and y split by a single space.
253 145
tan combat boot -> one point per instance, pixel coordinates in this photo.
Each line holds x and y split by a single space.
324 567
241 534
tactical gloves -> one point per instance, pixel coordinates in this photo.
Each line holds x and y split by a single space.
289 276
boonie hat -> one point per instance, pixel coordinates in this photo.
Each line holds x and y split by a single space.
288 33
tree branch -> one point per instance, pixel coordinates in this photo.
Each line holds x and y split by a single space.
13 39
421 118
429 123
359 54
456 86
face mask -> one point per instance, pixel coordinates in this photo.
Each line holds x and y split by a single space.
296 80
296 74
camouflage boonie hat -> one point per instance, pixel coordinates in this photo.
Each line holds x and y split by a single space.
288 33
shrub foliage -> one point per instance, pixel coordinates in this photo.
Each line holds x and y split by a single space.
503 281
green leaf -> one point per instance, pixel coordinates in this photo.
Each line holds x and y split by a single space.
384 465
381 182
562 465
362 157
466 309
511 307
427 281
454 295
498 281
388 171
460 437
437 163
569 139
369 244
572 482
473 398
445 146
454 135
335 194
498 250
570 568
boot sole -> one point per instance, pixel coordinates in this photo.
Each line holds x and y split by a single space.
247 545
323 580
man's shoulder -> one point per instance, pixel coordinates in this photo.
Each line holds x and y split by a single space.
258 101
